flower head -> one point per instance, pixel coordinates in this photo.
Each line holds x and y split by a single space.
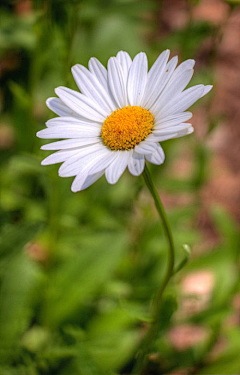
120 116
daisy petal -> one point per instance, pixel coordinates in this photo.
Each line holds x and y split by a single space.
185 65
157 157
84 169
180 78
83 160
183 101
81 104
58 107
69 143
161 82
59 157
173 89
136 164
206 90
154 75
78 181
56 121
70 131
90 86
137 79
172 120
168 133
145 148
91 179
116 82
125 62
99 71
117 167
103 163
186 131
176 84
170 129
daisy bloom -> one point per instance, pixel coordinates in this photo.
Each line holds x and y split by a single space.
120 116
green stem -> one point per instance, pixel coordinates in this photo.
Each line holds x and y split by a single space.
151 334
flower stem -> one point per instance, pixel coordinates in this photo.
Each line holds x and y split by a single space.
151 334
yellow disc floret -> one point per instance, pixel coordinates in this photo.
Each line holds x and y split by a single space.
126 127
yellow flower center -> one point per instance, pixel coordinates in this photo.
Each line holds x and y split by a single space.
126 127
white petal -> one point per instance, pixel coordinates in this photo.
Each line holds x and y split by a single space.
116 82
176 84
167 133
174 132
81 104
99 71
56 121
91 179
78 181
157 157
59 157
154 75
125 62
165 137
117 167
185 65
70 143
70 131
90 86
183 100
58 107
182 133
180 78
145 148
103 163
171 90
187 130
171 120
83 179
207 89
136 164
169 129
161 83
137 79
84 159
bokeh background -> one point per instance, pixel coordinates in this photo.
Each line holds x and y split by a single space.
78 271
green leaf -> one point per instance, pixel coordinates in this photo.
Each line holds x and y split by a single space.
187 252
169 306
82 275
135 311
111 350
19 280
86 363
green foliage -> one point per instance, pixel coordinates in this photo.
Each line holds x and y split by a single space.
81 275
79 271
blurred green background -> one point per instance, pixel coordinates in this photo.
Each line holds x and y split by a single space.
78 271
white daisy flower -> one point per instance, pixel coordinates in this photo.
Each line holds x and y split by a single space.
120 116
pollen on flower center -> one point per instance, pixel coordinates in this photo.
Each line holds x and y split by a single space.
126 127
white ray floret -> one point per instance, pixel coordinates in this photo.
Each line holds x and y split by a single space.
119 116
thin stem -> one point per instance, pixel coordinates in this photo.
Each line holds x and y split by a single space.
141 359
